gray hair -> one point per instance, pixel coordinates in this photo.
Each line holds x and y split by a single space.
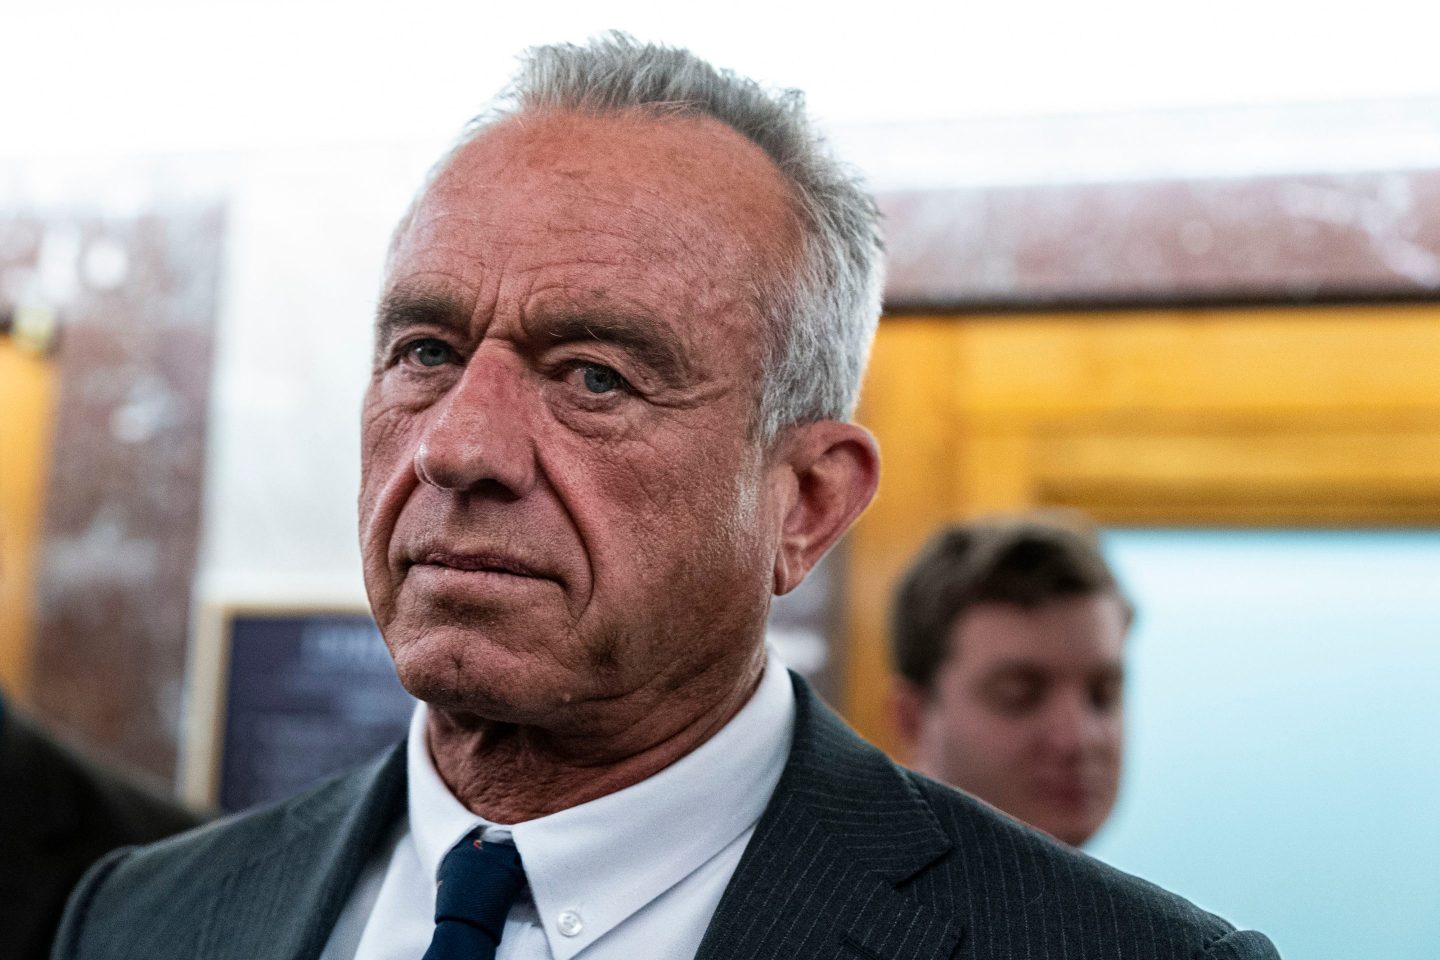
822 317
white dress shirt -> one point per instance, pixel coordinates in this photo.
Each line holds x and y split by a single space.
637 873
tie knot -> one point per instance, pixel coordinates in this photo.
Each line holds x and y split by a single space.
479 883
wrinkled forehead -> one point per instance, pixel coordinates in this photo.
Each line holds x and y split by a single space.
1078 634
676 189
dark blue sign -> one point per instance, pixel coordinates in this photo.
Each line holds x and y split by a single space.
307 697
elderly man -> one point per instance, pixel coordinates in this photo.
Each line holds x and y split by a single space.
622 330
1009 638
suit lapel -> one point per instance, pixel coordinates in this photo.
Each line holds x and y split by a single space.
283 904
823 875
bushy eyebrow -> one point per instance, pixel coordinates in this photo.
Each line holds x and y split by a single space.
647 339
401 310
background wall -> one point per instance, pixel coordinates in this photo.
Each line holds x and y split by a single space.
1282 707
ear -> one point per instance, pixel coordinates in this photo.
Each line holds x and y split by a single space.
907 703
835 469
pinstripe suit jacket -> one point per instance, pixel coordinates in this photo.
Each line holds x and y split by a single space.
853 858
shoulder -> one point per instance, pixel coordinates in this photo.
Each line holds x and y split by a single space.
1020 887
146 887
170 888
965 866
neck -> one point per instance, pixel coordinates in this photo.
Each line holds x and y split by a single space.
510 773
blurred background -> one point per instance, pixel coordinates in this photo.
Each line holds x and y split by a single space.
1175 266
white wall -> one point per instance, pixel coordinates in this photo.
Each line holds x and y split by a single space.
1281 712
306 244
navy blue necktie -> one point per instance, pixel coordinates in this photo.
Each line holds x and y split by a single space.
478 883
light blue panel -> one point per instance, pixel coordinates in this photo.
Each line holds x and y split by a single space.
1283 764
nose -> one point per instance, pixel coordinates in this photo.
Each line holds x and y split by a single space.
1072 725
479 436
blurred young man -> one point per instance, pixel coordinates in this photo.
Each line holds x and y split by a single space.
1009 640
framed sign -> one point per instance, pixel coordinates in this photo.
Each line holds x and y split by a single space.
283 697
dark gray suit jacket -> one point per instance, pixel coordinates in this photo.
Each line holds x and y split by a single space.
853 858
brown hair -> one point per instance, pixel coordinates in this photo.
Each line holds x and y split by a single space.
1025 561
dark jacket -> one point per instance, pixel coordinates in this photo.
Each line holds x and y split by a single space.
854 857
59 813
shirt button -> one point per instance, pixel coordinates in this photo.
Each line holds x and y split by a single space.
570 923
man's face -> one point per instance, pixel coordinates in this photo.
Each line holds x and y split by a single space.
563 503
1026 712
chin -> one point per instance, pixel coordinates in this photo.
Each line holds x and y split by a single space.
465 670
1075 837
1071 829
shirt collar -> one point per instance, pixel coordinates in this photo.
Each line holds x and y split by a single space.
652 834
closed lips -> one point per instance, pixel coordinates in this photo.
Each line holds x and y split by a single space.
478 563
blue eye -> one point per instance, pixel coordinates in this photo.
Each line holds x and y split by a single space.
600 379
430 352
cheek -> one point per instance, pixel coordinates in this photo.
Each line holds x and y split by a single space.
386 475
727 516
696 482
1112 735
984 737
386 432
678 523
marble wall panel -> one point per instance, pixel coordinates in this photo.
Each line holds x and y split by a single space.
1281 239
136 300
